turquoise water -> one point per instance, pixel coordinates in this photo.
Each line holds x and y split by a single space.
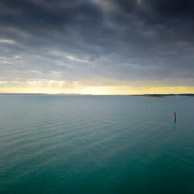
96 144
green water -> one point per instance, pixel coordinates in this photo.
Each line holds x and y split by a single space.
96 144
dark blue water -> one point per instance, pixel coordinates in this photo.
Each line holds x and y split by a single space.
96 144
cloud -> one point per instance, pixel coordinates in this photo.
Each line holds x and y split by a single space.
7 41
144 40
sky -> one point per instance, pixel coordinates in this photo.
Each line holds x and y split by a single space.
97 46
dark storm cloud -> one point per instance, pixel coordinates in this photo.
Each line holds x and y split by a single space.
44 15
128 6
172 8
121 39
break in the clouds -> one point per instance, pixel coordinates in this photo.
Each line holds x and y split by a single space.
75 40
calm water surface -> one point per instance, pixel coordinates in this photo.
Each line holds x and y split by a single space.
96 144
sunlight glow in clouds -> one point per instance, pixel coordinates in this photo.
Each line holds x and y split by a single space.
7 41
76 59
76 87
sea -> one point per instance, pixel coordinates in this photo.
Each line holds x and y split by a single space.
96 144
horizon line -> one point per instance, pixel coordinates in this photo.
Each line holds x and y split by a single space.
77 94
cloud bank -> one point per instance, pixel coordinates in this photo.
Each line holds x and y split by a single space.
78 40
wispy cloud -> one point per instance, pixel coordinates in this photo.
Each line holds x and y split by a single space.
7 41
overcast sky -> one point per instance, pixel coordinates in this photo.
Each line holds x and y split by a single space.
96 43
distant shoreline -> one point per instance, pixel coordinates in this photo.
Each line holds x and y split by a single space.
145 95
164 95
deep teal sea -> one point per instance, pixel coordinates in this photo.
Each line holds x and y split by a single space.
96 144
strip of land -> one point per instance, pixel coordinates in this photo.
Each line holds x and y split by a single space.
147 95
